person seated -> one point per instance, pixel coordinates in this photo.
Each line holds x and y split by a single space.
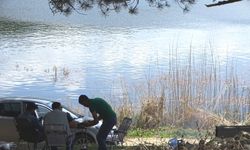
57 116
36 126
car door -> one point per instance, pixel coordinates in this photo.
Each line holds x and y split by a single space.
9 110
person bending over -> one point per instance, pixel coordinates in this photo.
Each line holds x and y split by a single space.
100 110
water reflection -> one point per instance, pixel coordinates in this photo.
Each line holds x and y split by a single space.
54 61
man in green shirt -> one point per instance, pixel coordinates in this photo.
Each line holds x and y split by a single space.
100 110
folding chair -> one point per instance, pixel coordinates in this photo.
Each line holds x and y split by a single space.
57 135
122 130
27 133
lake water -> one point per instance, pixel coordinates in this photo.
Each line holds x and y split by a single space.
62 61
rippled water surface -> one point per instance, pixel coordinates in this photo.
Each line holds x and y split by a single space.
63 61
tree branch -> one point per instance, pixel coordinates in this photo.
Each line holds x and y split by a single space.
222 3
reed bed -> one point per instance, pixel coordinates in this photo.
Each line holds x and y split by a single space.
190 93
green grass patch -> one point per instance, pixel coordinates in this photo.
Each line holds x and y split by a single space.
165 132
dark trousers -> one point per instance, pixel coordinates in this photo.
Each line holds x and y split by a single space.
103 132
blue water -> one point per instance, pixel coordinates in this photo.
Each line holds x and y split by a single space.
44 58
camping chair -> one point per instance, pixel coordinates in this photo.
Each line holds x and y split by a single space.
27 133
122 130
57 135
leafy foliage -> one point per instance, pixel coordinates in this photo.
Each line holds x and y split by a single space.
68 6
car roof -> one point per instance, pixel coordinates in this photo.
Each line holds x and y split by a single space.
27 99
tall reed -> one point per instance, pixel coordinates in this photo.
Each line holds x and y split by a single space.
191 90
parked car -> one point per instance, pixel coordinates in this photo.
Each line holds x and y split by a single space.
11 107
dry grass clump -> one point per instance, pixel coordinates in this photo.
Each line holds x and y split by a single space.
125 110
204 119
151 113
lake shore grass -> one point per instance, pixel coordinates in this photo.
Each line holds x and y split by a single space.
201 94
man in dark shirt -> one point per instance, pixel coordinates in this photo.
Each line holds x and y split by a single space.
100 110
31 117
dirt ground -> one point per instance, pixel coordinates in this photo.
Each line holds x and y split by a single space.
152 141
238 142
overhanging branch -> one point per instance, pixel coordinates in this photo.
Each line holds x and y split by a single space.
222 3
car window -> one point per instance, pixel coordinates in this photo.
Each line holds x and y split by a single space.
10 109
42 111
